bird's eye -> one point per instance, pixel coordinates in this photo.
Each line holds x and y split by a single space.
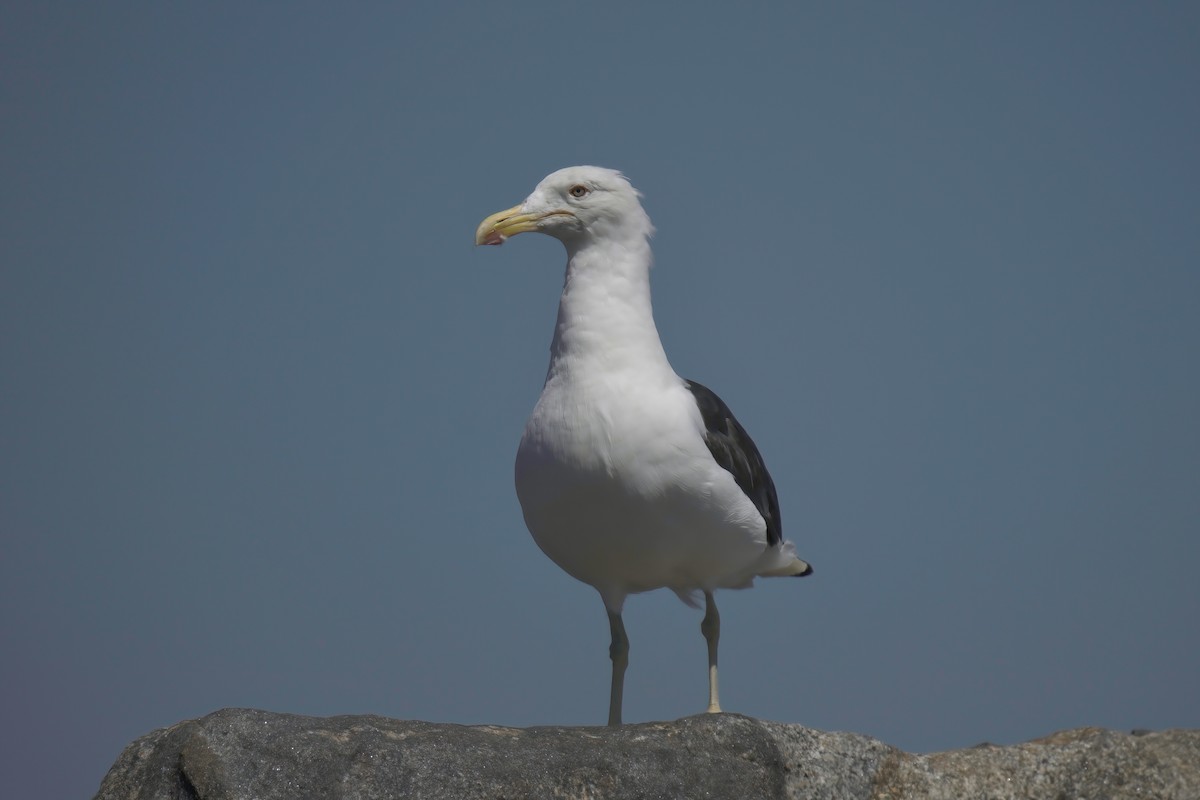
578 190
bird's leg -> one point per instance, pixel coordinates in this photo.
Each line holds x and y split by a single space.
618 651
710 626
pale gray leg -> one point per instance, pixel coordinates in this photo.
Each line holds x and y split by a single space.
618 651
710 626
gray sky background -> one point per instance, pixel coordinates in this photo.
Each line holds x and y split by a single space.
261 396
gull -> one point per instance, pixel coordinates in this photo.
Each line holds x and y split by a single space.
631 478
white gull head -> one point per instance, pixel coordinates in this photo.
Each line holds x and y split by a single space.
574 205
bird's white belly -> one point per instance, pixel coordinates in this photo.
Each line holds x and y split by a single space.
635 506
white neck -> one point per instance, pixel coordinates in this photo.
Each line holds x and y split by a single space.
605 318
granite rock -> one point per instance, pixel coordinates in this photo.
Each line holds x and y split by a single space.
238 754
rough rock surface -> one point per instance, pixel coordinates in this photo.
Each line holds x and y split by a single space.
256 755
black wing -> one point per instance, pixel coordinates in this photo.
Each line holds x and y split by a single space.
733 449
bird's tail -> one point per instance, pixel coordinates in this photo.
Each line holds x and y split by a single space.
786 564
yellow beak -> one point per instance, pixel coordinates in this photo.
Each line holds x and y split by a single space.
509 222
503 224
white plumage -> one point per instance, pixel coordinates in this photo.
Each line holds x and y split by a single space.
631 478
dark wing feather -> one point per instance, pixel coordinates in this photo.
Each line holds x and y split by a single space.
734 450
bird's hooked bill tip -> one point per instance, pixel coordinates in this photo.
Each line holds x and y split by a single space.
503 224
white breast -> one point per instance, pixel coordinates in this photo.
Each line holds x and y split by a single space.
618 489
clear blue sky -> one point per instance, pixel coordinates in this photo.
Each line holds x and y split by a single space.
261 395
